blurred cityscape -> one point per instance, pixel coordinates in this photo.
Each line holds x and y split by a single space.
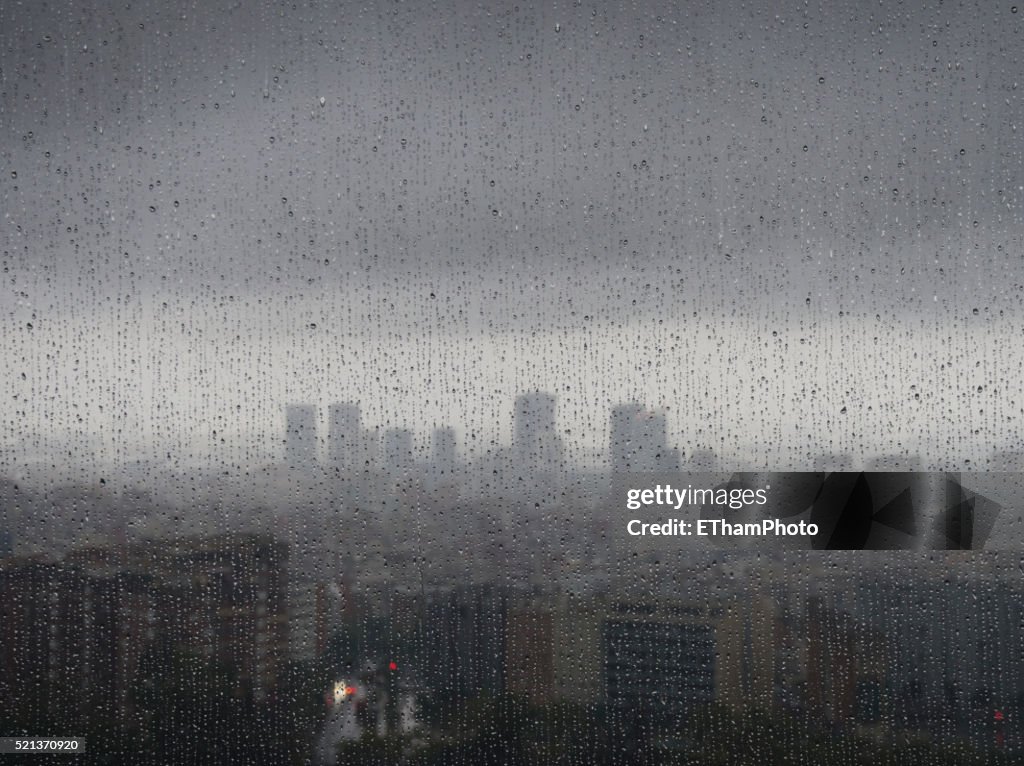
362 599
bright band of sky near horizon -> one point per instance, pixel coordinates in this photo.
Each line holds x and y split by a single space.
853 386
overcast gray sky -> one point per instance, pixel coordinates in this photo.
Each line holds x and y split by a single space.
798 225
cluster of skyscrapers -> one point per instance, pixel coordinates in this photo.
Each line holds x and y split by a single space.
639 440
353 449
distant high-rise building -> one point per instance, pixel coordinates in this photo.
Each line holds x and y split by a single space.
538 447
398 457
623 434
639 441
346 444
443 452
300 435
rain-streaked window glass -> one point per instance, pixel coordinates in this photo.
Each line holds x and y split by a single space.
476 383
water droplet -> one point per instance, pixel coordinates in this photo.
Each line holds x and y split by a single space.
323 101
558 27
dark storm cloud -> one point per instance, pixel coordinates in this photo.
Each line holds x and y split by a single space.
591 158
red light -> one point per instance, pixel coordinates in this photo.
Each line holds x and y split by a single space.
349 691
999 715
392 666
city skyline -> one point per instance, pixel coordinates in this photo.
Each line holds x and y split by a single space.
313 434
849 387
